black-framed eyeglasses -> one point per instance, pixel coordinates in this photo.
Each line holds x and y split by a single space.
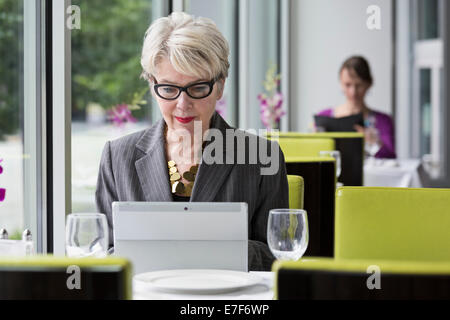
197 90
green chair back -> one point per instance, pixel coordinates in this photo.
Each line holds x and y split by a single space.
48 277
323 279
296 189
293 147
392 224
318 135
350 144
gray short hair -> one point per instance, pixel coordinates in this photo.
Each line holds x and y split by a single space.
194 47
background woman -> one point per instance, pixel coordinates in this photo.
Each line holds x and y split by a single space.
356 79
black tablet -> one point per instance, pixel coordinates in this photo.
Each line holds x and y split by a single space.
345 124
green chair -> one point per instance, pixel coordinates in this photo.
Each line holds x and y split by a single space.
296 189
293 147
392 224
323 279
48 277
319 178
350 144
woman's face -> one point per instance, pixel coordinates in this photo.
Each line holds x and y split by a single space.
353 86
184 111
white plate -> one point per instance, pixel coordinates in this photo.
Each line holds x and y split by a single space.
196 281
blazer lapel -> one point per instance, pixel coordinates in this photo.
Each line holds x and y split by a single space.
211 177
151 166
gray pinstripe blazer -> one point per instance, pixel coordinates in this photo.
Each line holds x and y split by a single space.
134 168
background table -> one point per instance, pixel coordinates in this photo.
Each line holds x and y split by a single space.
392 173
262 291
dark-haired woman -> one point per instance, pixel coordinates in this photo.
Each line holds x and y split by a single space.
356 79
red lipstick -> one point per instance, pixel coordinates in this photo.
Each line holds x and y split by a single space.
185 120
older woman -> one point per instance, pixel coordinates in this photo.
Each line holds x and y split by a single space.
185 61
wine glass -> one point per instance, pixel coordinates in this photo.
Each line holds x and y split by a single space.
371 146
287 233
86 235
337 156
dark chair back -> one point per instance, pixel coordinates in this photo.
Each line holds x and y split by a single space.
324 279
351 146
47 277
320 186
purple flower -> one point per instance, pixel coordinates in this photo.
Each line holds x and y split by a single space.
120 114
272 100
270 108
221 107
2 191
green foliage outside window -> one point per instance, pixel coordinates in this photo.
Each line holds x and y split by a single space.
11 64
106 53
105 57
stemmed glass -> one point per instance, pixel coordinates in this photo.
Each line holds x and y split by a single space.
86 235
287 233
337 156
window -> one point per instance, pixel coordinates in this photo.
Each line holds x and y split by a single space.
427 87
21 166
109 99
225 15
259 48
428 19
425 111
252 29
11 113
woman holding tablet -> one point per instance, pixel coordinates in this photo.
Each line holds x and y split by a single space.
186 155
378 128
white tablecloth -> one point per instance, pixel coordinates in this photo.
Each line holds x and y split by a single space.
392 173
261 291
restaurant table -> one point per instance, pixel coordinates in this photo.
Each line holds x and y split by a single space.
260 291
392 173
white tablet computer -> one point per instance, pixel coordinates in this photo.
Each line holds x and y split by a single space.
181 235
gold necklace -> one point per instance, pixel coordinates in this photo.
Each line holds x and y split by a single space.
177 186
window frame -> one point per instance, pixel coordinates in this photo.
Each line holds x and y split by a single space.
34 123
61 124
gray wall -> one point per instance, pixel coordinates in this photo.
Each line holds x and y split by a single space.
324 34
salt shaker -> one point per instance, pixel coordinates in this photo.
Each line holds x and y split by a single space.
3 234
26 236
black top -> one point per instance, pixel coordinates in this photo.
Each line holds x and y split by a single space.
177 198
